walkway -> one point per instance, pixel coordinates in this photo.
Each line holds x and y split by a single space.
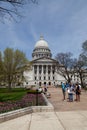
59 105
67 116
48 121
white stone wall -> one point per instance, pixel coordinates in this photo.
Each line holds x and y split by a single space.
28 75
29 79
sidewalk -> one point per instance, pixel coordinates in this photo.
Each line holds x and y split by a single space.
67 116
74 120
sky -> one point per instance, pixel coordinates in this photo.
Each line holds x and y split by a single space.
63 24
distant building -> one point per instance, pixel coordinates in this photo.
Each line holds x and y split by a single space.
76 77
44 68
85 76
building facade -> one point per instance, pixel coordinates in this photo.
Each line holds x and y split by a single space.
44 68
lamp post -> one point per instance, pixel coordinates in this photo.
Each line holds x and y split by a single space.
37 94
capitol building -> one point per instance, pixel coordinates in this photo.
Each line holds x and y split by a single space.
43 70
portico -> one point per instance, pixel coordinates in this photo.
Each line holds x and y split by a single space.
44 74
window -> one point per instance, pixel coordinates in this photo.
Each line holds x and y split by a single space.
39 71
35 71
49 77
49 68
39 78
48 71
44 78
53 71
35 78
44 71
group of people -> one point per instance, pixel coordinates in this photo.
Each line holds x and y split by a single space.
44 90
71 89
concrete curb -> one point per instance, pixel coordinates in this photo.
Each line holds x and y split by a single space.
20 112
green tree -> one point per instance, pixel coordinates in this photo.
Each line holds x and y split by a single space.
12 60
1 64
1 68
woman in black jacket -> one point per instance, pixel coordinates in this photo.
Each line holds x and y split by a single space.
78 92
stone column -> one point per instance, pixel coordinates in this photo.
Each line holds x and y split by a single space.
33 73
51 74
37 72
46 72
42 74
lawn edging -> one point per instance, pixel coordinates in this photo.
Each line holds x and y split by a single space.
21 112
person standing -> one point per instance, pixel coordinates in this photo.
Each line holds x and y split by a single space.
63 90
70 93
78 92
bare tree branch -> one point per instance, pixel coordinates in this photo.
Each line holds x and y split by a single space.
12 7
67 64
12 1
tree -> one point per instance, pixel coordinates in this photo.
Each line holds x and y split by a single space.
84 46
83 55
1 64
12 60
81 63
66 62
11 7
79 69
1 68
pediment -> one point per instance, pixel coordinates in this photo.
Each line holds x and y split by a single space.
44 59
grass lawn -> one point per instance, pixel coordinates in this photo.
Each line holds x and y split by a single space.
14 95
18 98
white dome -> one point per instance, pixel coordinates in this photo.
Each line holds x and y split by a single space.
41 43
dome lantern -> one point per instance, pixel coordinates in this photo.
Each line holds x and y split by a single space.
41 43
41 37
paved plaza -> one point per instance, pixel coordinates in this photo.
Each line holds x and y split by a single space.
66 115
59 105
